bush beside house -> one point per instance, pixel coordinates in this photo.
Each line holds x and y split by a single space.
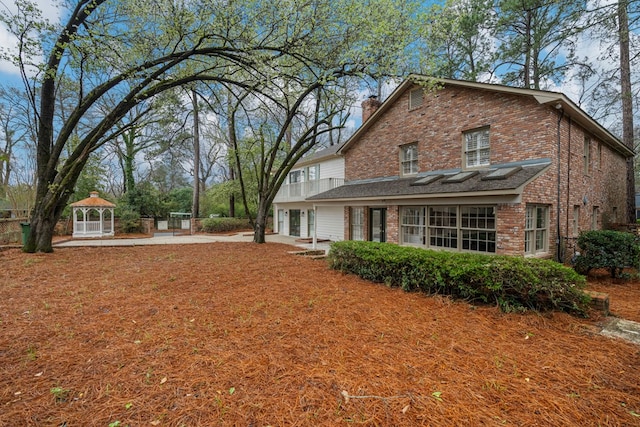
513 283
612 250
223 225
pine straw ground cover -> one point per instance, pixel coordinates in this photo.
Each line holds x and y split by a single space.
249 335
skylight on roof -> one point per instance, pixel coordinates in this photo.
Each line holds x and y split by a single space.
460 177
427 179
502 173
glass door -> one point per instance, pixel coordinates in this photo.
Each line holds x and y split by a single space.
294 222
377 223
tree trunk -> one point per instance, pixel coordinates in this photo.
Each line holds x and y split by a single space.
260 225
195 209
43 223
627 105
232 196
128 160
41 236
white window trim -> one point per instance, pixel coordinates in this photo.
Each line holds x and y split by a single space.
475 153
413 162
535 231
356 221
456 231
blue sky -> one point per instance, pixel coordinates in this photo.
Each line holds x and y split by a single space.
9 74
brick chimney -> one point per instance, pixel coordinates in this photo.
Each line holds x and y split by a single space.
369 106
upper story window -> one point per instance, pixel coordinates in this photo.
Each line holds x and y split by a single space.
313 173
416 97
295 176
476 148
409 159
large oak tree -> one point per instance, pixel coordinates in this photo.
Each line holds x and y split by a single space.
135 50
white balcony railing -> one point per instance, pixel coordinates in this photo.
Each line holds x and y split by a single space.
92 227
299 191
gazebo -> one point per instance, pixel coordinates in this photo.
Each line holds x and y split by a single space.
93 217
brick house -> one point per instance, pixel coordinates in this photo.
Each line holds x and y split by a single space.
479 167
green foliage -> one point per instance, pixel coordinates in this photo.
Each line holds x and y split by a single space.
130 221
513 283
59 393
148 201
220 225
613 250
90 179
216 199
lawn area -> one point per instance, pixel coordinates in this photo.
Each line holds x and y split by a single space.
239 334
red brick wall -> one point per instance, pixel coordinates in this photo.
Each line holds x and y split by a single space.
393 224
520 129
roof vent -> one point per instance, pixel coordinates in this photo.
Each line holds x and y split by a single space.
502 173
460 177
427 179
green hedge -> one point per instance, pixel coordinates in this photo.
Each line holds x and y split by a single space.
223 225
513 283
613 250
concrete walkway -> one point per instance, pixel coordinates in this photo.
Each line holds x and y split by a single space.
620 328
170 239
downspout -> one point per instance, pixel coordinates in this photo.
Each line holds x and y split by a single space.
560 116
568 174
315 227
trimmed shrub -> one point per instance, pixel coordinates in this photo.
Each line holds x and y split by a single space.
613 250
223 225
130 221
513 283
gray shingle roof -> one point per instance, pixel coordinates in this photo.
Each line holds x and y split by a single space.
319 155
446 183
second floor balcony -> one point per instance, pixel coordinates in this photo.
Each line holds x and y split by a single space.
299 191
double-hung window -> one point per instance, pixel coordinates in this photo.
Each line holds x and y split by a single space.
295 183
357 223
536 233
476 148
412 227
409 159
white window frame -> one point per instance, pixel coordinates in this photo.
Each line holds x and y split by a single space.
478 228
356 225
477 148
536 230
443 227
412 225
409 159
